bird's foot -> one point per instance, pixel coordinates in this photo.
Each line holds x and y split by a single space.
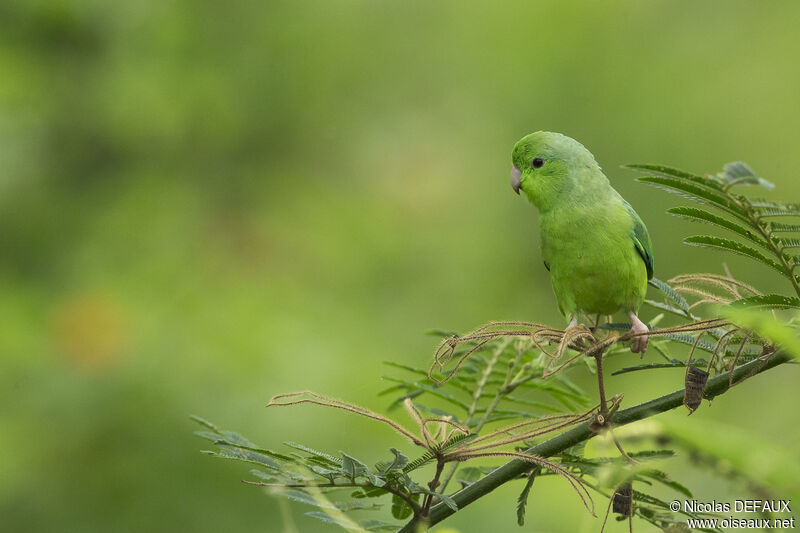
638 328
576 334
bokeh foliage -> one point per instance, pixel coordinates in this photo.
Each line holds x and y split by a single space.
205 204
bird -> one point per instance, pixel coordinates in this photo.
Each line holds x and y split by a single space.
595 246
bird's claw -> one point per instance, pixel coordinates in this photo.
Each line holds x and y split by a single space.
572 322
639 328
576 334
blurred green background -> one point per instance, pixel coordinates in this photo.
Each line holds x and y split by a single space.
205 204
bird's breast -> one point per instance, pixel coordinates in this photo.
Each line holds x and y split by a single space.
592 260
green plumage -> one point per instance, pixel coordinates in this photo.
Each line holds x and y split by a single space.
596 247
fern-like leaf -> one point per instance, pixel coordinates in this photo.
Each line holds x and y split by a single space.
788 243
420 461
699 193
670 293
669 309
330 459
429 456
343 522
699 363
249 450
522 499
704 345
740 173
712 182
701 215
768 301
456 440
764 204
708 241
777 212
780 227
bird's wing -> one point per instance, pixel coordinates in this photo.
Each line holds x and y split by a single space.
641 239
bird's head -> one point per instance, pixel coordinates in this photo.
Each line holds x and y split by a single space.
546 165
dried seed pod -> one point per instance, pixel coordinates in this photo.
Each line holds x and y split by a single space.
623 500
695 382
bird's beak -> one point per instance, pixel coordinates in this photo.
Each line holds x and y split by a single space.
516 178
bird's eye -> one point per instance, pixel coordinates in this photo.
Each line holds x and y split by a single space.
537 162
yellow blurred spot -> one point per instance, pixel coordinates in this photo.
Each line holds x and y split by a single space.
89 330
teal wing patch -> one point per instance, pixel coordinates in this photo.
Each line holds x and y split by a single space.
641 239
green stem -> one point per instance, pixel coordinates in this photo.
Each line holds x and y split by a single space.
516 467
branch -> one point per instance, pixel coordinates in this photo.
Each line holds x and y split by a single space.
513 469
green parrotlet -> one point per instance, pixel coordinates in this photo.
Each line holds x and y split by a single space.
595 246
